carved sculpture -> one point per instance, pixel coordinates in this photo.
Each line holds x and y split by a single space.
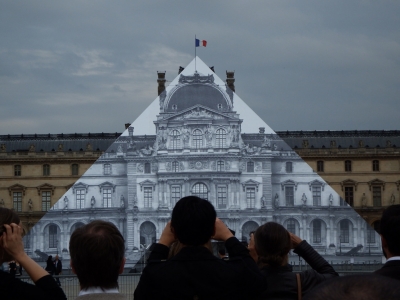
1 203
363 200
392 199
65 202
30 204
92 202
122 201
304 199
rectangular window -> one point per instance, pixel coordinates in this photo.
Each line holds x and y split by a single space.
289 167
147 168
349 195
316 193
148 196
53 236
251 197
377 196
107 169
320 166
80 198
75 169
289 195
347 165
46 170
17 170
46 200
370 234
375 165
344 231
17 201
291 226
220 165
222 196
175 194
342 202
107 197
317 231
250 167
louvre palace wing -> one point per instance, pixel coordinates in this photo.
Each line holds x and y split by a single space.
199 138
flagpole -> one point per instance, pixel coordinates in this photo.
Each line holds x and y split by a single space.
195 69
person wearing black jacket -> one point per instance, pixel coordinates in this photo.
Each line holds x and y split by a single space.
270 246
390 236
194 272
11 247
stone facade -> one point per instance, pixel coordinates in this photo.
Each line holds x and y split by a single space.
199 149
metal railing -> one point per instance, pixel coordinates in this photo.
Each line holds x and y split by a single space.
70 284
127 282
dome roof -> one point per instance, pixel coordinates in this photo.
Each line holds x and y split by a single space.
190 95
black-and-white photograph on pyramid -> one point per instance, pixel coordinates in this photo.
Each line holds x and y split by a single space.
199 138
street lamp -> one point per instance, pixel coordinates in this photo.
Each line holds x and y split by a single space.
369 241
340 244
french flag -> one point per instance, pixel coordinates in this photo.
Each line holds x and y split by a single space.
202 43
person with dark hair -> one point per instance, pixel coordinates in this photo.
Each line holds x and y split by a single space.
11 247
97 257
390 236
356 287
50 265
270 246
57 268
194 272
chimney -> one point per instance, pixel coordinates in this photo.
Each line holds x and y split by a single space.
161 82
180 70
230 79
261 130
127 125
212 69
130 130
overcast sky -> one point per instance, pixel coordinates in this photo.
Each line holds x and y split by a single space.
90 66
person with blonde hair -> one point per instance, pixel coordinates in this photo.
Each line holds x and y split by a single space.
11 247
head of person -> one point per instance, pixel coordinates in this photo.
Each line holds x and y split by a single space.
7 216
356 287
50 258
390 230
193 221
56 258
97 254
272 243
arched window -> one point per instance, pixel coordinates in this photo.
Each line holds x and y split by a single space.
220 165
147 168
220 138
200 190
197 139
175 140
53 236
317 229
175 166
46 170
76 226
147 233
344 231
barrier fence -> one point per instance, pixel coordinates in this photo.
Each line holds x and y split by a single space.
128 282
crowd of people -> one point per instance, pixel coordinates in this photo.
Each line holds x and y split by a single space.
182 265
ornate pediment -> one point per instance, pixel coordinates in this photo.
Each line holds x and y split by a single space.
47 187
107 184
199 112
376 182
250 183
316 182
78 186
17 187
147 183
349 182
289 182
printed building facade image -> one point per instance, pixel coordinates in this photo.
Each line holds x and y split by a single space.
203 140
